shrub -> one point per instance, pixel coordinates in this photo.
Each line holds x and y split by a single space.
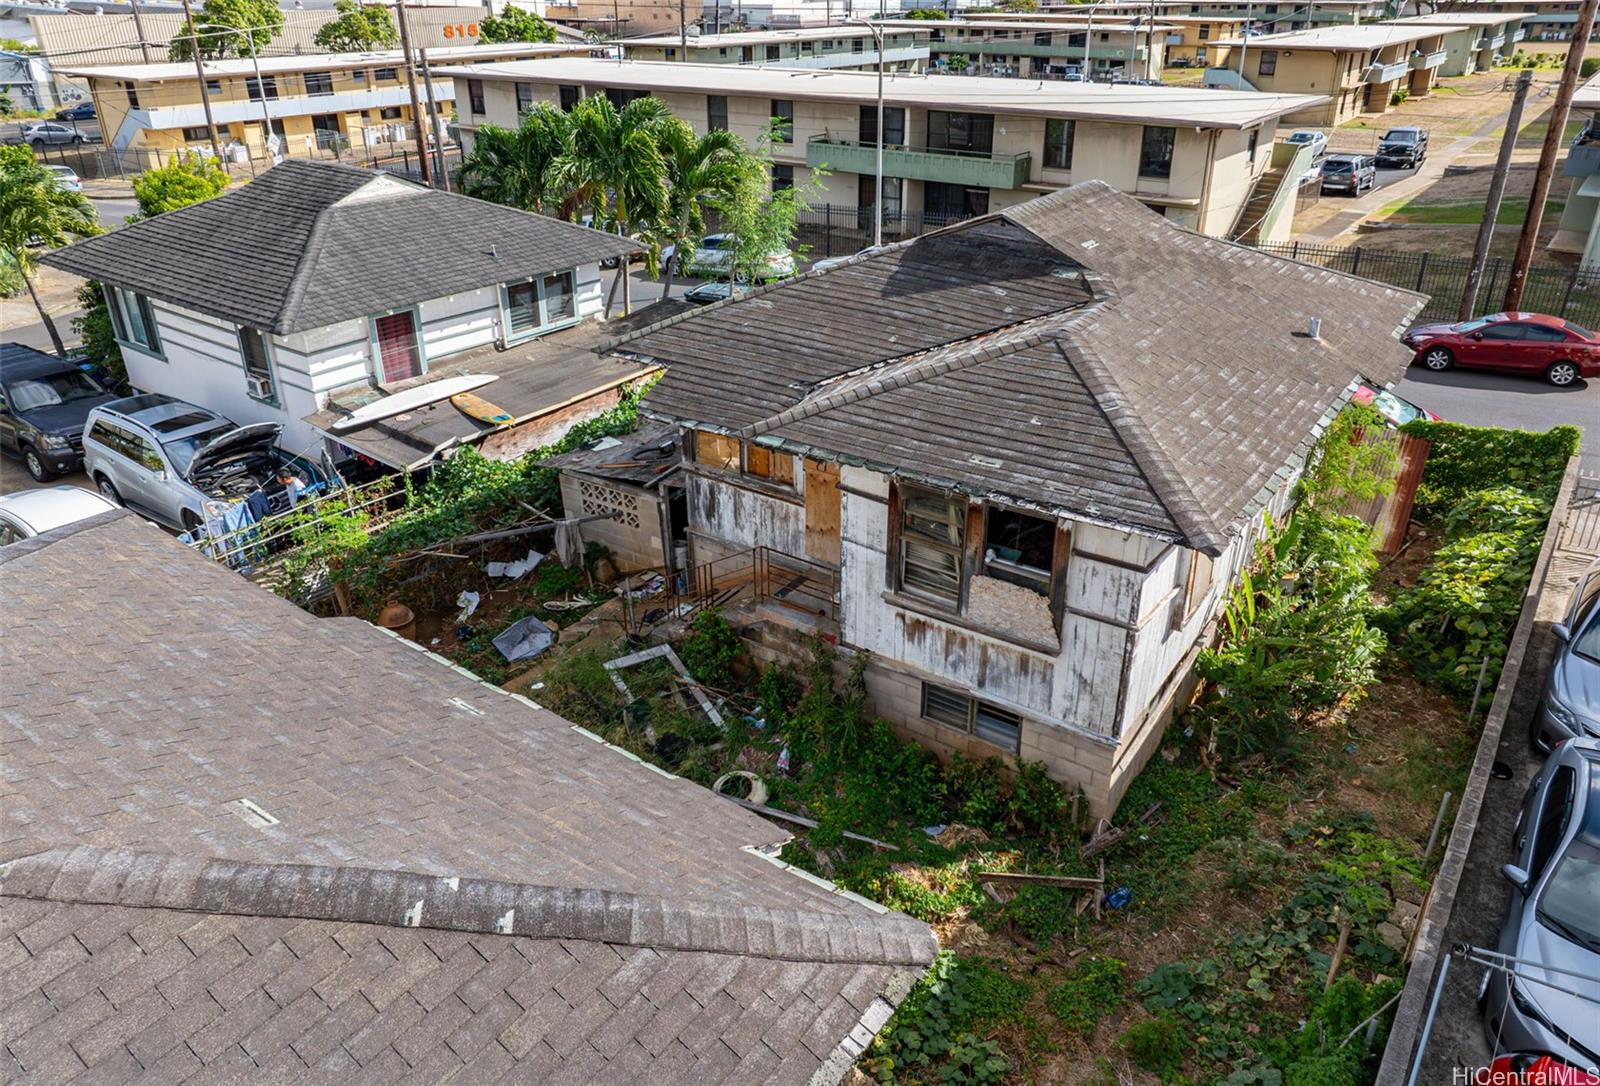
1590 66
936 1035
1399 96
1466 458
975 789
710 649
1089 993
1157 1045
1038 804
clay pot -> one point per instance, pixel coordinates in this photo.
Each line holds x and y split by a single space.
397 618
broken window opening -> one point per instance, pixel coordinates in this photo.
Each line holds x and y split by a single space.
757 461
1019 548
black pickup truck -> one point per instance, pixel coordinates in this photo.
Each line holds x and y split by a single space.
1403 147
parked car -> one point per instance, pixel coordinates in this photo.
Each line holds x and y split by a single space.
716 291
66 178
715 252
27 513
1391 407
1318 142
1515 342
1354 174
83 111
183 465
1537 1069
44 402
1571 703
1403 147
49 133
1552 928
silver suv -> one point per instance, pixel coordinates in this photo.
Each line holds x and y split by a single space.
184 465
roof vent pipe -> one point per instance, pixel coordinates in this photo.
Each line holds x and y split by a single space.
1315 331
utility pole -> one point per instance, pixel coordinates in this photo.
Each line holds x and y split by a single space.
433 111
1554 137
144 39
1244 37
416 101
199 74
261 89
1497 188
683 31
877 195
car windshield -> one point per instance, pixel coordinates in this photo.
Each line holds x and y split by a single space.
1400 135
1586 643
1337 165
1567 906
1393 407
1302 137
1474 325
181 450
50 389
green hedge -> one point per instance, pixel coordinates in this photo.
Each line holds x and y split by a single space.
1467 458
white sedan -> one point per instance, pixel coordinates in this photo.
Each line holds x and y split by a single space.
715 252
1318 141
27 513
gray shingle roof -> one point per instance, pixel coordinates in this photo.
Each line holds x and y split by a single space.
311 243
429 874
1077 353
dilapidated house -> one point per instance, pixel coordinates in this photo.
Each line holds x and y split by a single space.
1019 461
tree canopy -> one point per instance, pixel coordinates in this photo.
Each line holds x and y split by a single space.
184 180
359 28
228 28
513 25
36 212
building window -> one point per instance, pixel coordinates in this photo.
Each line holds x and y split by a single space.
133 320
399 347
390 74
213 86
475 97
1250 144
261 89
1267 62
782 177
319 84
894 125
1019 549
569 96
1041 38
258 382
390 113
858 45
782 120
772 52
716 112
932 536
1205 31
1155 151
537 305
1058 143
960 132
358 75
524 97
133 93
726 453
987 721
716 450
196 134
765 463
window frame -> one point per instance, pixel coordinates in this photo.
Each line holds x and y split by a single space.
716 118
568 95
264 89
962 509
1068 129
1157 169
477 104
196 133
735 459
318 84
390 74
269 368
781 119
1266 62
541 300
524 97
975 707
117 298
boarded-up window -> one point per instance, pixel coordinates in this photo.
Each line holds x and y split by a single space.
716 450
764 463
932 529
987 721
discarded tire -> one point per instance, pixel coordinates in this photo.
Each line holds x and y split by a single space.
758 790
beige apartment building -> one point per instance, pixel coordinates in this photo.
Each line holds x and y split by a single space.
314 104
1046 48
1266 18
954 146
1472 38
1354 70
905 47
1186 41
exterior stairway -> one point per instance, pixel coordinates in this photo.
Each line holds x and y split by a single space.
1248 227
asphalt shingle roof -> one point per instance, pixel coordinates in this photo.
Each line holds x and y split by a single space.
239 839
1076 353
309 244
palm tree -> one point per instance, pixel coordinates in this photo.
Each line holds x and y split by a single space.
518 168
699 168
37 213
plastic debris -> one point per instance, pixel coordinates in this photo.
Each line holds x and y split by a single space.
755 722
524 639
468 602
783 761
934 831
1119 898
606 443
514 569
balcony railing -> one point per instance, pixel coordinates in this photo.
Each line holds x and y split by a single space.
971 168
1385 73
1423 61
1008 48
1583 159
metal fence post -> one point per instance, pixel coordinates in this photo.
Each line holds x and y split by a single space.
1294 250
827 232
1422 268
1494 275
1572 282
1355 261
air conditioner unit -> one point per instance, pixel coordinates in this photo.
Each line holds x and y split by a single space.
257 386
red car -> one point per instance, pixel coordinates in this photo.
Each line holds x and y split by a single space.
1534 1070
1516 342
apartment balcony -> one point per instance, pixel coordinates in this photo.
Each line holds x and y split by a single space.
1424 61
1583 159
969 168
1518 34
1385 73
1494 41
1006 47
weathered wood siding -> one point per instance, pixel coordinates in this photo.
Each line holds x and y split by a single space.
738 516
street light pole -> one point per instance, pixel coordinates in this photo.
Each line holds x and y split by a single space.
877 198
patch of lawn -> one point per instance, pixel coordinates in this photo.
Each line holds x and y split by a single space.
1513 210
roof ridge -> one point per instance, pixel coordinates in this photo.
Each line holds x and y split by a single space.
132 879
300 284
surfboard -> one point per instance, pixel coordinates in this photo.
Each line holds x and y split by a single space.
410 399
476 407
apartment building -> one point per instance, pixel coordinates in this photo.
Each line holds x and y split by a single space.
1354 69
905 47
1579 231
312 103
1046 48
1542 20
954 145
1266 18
1472 38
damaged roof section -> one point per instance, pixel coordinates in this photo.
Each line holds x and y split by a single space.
1075 353
305 848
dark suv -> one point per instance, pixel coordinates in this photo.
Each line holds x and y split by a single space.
1403 147
44 401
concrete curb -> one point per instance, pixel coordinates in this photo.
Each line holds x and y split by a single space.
1400 1051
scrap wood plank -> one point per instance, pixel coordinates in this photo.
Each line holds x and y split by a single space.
662 652
1105 838
809 823
1066 882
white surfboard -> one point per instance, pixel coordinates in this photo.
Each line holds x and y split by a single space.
410 399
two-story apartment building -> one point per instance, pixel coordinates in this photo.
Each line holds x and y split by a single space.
954 146
1044 48
312 103
1268 18
1542 20
905 47
319 288
1579 231
1472 38
1010 458
1186 38
1357 69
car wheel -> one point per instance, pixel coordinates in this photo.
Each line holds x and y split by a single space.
189 521
1561 374
35 465
1438 359
108 490
38 145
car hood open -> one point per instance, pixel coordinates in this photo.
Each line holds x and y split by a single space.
246 442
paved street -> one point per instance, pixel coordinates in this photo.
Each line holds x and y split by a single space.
1524 403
